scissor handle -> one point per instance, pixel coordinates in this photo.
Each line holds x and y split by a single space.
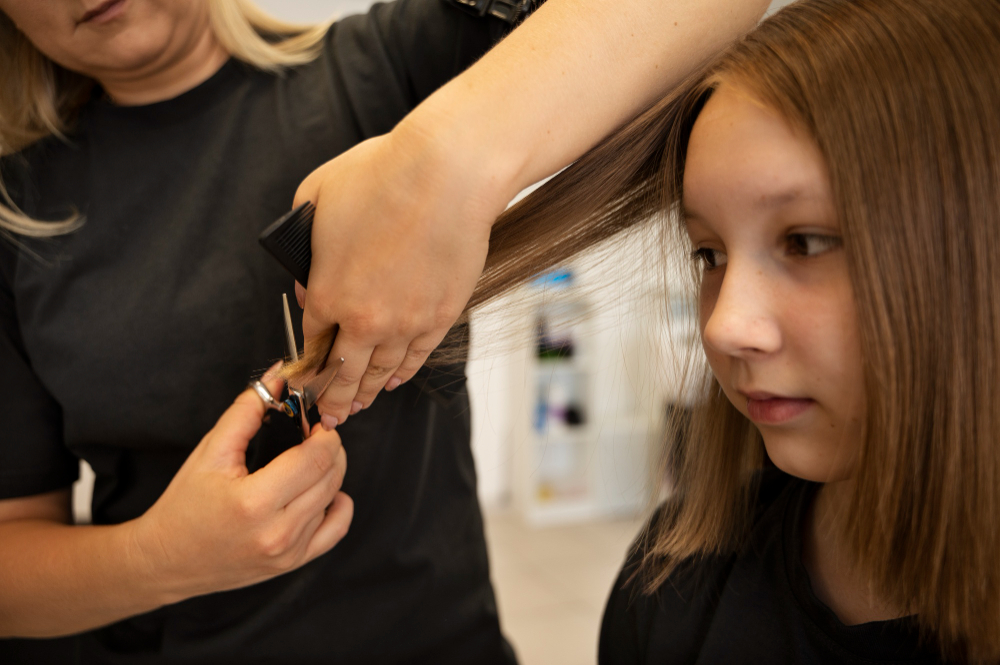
294 406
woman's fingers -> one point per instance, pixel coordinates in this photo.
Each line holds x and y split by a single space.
340 398
333 527
232 433
316 498
382 366
217 527
416 355
388 366
298 469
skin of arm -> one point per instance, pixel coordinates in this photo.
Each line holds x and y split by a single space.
75 561
216 527
575 71
403 221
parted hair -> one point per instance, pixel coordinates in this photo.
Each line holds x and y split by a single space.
39 98
902 98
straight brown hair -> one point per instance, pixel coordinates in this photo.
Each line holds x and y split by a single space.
902 98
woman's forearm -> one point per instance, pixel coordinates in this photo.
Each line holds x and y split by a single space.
573 72
59 579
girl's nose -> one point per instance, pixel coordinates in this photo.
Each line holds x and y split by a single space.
741 321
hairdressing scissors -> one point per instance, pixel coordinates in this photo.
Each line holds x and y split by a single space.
302 397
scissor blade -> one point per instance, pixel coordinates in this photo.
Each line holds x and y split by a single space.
290 347
316 386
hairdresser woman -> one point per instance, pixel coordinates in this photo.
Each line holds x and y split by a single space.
122 343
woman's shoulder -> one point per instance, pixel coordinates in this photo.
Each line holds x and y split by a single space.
389 59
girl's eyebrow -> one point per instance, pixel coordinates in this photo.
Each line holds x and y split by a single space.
779 198
687 212
783 197
690 217
795 192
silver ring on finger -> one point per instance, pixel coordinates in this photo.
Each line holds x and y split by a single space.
265 395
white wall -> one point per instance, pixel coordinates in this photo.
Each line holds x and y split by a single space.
318 10
309 11
778 4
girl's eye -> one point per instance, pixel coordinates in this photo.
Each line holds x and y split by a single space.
811 244
710 259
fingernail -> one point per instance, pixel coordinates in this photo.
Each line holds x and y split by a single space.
328 422
393 383
272 371
355 407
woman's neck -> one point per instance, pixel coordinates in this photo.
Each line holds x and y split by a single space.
836 578
165 80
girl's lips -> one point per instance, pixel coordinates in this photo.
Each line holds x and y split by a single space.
775 410
106 11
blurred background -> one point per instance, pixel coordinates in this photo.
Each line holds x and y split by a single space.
569 385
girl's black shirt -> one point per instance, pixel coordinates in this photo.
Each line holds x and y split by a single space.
756 606
123 343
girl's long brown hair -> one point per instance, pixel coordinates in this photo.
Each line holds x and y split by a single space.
903 99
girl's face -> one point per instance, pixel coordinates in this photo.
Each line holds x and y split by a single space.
777 312
111 38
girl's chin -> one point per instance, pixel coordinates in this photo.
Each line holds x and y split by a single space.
807 459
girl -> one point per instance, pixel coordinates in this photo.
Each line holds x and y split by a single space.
837 492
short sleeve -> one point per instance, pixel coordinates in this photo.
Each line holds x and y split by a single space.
33 458
418 44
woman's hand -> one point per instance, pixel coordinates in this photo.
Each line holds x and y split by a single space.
217 527
399 240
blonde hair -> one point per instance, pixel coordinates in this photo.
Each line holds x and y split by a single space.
39 98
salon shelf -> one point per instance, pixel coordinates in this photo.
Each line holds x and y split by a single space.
598 464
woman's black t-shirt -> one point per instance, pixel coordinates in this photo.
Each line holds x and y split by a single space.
753 607
124 342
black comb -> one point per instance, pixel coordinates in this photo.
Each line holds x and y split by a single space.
290 241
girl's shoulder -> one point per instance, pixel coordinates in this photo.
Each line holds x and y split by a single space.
753 605
686 603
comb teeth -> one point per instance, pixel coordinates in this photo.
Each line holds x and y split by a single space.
289 240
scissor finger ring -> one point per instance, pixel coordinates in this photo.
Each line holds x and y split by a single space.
265 395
